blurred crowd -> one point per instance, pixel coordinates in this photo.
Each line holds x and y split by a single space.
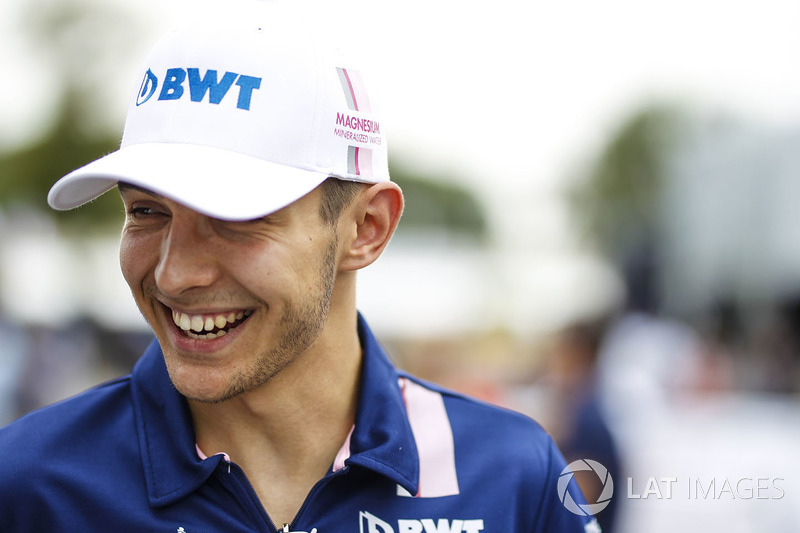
610 388
40 365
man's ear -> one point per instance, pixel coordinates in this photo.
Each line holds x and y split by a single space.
369 224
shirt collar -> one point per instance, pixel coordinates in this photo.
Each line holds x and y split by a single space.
381 441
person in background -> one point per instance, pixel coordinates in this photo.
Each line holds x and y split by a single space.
580 427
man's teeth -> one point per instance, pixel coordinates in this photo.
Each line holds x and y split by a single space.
200 327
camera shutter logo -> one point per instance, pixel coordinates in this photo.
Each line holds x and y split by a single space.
565 478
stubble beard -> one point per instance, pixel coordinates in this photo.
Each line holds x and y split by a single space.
299 327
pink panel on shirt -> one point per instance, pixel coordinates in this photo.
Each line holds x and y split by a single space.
434 437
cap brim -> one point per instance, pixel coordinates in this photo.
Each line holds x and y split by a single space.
218 183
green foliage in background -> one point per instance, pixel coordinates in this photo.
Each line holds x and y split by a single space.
617 202
27 174
437 205
81 45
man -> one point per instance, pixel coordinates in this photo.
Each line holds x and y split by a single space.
254 176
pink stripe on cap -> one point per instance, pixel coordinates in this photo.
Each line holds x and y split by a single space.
364 162
349 88
359 90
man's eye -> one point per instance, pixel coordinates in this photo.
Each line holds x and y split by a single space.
141 212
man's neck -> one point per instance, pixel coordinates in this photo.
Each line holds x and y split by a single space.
286 434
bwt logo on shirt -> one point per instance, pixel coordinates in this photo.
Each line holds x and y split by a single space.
369 523
173 86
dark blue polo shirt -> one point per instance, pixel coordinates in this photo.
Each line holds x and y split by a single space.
122 457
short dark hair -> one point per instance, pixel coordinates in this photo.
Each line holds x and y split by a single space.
336 195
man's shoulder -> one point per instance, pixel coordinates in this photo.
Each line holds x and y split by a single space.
500 454
66 463
69 426
483 426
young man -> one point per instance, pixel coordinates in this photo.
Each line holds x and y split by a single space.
254 176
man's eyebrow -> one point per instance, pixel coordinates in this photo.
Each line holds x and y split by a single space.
123 187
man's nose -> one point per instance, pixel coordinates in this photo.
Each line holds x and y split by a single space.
186 260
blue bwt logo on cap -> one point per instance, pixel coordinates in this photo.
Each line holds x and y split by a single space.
148 88
199 86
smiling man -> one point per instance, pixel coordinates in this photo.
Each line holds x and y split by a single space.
254 175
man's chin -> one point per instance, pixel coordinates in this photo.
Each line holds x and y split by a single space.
207 397
208 389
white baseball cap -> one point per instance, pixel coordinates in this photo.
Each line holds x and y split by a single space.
240 114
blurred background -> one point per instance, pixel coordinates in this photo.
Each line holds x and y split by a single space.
600 226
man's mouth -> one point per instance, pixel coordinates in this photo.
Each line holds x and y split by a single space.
207 327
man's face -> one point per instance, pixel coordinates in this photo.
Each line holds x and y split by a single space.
232 303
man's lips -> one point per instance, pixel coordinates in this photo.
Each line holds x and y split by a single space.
209 326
